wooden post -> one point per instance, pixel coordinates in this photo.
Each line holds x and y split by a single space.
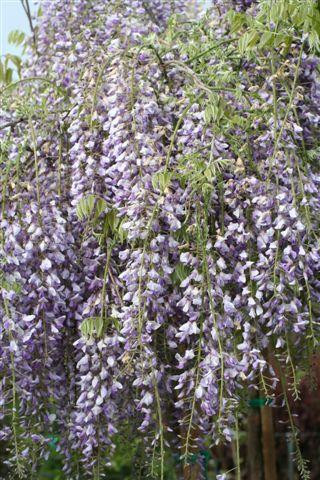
254 454
192 472
268 444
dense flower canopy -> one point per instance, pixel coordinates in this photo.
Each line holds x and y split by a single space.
160 221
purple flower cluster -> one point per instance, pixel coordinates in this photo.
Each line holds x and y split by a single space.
151 253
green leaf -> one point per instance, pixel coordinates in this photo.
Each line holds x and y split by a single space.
314 41
236 20
2 74
208 114
92 327
208 174
9 286
112 226
122 234
16 37
100 206
215 109
180 273
161 180
8 76
278 11
85 207
279 39
15 60
266 39
111 219
248 41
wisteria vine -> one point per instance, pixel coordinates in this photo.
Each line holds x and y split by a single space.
159 226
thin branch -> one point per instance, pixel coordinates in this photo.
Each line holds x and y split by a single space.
11 124
26 8
217 45
161 62
191 73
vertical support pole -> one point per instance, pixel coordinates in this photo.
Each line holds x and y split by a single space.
268 444
254 454
192 471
